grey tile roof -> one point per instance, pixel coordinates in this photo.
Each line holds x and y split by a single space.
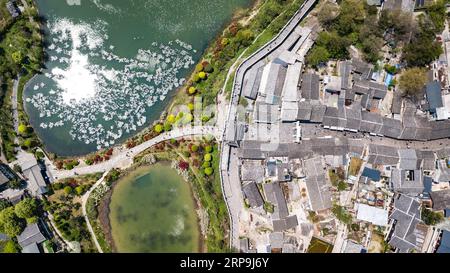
391 128
441 199
275 195
252 82
276 239
428 158
345 68
317 184
396 107
252 171
304 111
407 182
406 214
31 234
371 122
362 68
266 113
318 113
409 159
310 86
253 195
31 248
285 224
383 155
12 9
36 181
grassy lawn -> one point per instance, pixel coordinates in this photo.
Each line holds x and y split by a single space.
355 166
319 246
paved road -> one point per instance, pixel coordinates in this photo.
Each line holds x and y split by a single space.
231 185
124 158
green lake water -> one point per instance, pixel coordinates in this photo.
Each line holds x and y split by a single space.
152 211
113 65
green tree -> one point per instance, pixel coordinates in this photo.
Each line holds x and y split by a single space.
317 56
167 127
68 190
342 186
4 204
159 128
431 218
327 14
335 44
437 12
206 164
412 82
207 157
10 224
15 184
194 148
209 149
26 208
23 129
27 143
171 119
209 171
10 247
422 50
79 190
17 57
192 90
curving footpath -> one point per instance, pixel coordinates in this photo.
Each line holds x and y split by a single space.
124 159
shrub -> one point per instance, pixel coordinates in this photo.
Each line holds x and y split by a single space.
10 247
186 154
167 127
209 171
158 128
194 148
188 118
171 118
208 157
68 190
202 75
183 165
57 186
209 68
199 67
191 106
22 129
206 165
196 78
209 149
192 90
39 155
79 190
27 143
